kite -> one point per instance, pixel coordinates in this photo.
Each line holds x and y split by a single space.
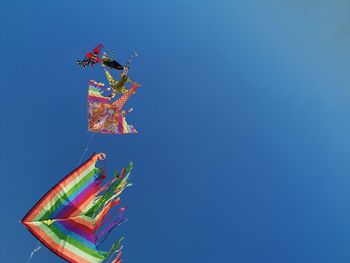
118 86
105 116
108 61
91 58
78 214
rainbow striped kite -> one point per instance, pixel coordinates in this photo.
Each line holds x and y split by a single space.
71 219
105 116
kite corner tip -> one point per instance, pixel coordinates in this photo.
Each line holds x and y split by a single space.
102 156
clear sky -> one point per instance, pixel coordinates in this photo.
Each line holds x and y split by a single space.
244 118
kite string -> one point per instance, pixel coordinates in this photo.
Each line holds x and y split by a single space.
86 149
36 249
37 245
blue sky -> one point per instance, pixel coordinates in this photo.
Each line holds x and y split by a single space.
244 119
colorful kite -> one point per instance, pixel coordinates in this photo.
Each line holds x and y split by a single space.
91 58
71 219
118 86
105 116
108 61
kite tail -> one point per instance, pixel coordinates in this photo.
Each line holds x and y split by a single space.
106 219
103 213
105 186
108 196
133 55
105 198
117 258
113 190
104 234
116 248
83 62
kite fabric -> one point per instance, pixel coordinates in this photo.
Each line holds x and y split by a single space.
117 86
91 58
108 61
105 116
76 215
